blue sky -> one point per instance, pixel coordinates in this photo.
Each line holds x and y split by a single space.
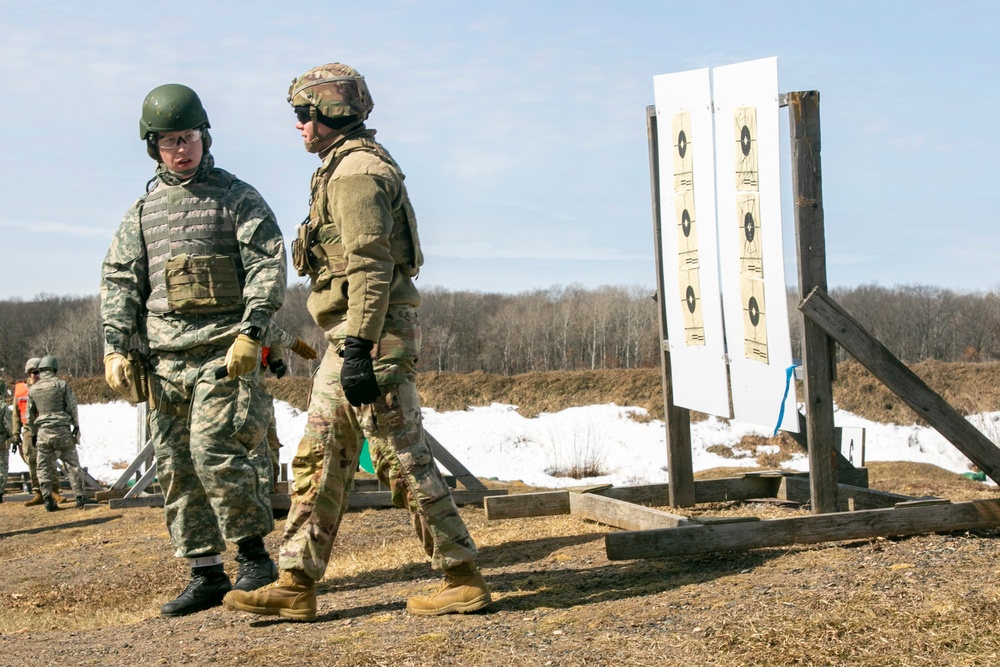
520 125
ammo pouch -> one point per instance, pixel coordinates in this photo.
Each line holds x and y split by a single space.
202 284
300 249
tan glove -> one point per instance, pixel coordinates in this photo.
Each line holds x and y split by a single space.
117 372
301 348
243 356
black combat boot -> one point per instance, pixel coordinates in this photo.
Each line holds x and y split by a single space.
256 567
207 588
80 502
50 503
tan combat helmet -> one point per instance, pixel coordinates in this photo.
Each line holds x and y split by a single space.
335 95
32 365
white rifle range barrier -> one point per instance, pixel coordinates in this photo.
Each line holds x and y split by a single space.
718 256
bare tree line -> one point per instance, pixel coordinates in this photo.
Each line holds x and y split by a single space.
561 328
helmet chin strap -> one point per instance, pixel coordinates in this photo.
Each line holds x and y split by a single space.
318 144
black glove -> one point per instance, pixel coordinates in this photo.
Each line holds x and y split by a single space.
278 367
13 446
357 376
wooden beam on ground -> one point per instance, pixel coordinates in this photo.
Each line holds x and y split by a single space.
900 380
848 496
817 348
525 505
677 420
453 465
692 539
550 503
621 514
356 500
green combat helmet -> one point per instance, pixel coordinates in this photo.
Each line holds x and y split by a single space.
49 363
31 365
170 108
332 92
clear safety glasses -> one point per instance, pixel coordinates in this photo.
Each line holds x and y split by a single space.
175 139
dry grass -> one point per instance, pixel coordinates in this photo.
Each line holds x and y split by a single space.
83 588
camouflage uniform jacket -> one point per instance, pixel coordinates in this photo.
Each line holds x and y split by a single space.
52 403
356 196
125 286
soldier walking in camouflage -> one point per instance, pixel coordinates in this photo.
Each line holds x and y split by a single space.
360 249
195 272
24 436
52 414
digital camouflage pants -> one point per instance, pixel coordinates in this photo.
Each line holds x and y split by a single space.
327 456
211 455
57 443
30 453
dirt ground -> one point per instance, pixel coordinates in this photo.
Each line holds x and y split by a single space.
83 587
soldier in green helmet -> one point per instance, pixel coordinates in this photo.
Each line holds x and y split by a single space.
194 275
52 414
361 252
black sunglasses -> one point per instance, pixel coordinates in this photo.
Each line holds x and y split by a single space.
302 114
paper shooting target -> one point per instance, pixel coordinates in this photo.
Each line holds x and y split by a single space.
683 152
687 231
694 323
747 177
754 319
749 234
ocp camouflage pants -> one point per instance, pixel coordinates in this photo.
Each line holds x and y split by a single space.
327 456
211 454
57 443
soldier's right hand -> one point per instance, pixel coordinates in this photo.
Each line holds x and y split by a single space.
116 373
242 356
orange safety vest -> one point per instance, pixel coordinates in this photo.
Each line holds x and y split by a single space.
21 400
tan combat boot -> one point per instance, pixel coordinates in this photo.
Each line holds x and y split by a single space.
35 500
464 591
292 596
56 497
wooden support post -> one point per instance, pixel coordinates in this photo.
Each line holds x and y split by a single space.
680 467
694 539
819 308
817 349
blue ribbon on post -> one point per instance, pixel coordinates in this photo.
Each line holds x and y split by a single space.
789 372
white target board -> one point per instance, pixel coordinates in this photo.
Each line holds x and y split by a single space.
751 264
689 252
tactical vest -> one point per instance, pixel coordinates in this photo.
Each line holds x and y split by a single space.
324 259
191 247
21 400
49 397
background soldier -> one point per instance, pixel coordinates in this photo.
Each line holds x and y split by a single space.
361 252
53 415
5 436
196 270
25 436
